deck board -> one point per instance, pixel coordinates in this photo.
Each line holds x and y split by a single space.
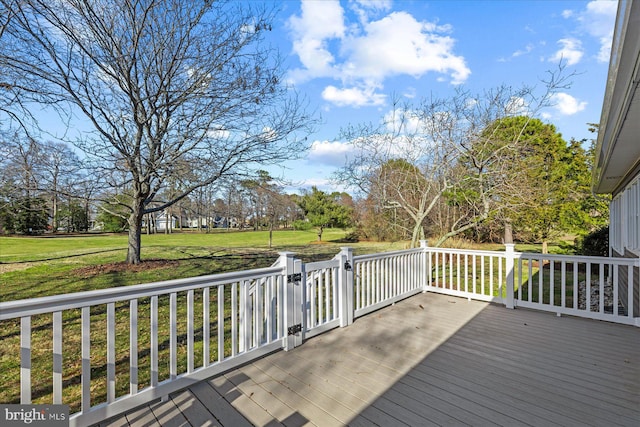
428 360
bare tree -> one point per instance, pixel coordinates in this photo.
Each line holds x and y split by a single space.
444 151
163 84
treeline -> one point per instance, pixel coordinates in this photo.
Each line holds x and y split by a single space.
472 166
47 187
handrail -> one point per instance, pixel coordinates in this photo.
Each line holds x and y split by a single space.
269 307
33 306
389 254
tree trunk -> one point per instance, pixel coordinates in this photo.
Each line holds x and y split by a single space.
135 231
418 232
545 247
320 230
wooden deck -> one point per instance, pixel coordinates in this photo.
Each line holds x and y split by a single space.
428 360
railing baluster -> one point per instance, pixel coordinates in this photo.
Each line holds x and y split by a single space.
173 335
268 304
458 270
501 279
482 282
234 318
588 291
206 327
319 278
190 320
375 276
245 316
57 358
86 359
220 323
563 284
443 271
336 298
575 285
327 294
154 340
466 273
630 291
133 346
25 360
601 291
111 352
615 289
492 291
540 280
312 300
451 281
475 275
258 306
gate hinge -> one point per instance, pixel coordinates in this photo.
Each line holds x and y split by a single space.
347 266
297 277
292 330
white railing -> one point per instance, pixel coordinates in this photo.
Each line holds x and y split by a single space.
603 288
471 274
382 279
321 296
165 322
139 343
594 287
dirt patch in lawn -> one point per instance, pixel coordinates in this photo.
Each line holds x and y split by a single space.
119 267
8 268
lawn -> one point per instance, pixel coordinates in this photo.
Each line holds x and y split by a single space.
42 266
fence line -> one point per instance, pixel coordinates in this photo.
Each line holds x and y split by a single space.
181 331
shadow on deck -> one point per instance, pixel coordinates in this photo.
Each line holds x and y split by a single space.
428 360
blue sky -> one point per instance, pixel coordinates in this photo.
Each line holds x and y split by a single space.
350 57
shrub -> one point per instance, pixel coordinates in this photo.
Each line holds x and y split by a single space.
595 243
301 225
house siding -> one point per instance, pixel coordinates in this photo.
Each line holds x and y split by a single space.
623 283
624 237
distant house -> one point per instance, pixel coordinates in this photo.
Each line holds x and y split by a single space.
162 222
617 168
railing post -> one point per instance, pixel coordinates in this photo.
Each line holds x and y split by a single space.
509 261
345 287
293 309
425 268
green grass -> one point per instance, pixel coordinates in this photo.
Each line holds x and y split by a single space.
41 266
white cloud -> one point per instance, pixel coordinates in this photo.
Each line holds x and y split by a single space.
567 105
333 153
517 106
399 44
403 122
598 20
571 51
319 22
528 48
362 55
218 132
567 13
353 96
365 9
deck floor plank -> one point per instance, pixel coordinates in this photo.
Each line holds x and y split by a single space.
193 410
600 391
429 360
221 409
168 414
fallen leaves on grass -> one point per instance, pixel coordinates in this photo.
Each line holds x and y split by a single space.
120 267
